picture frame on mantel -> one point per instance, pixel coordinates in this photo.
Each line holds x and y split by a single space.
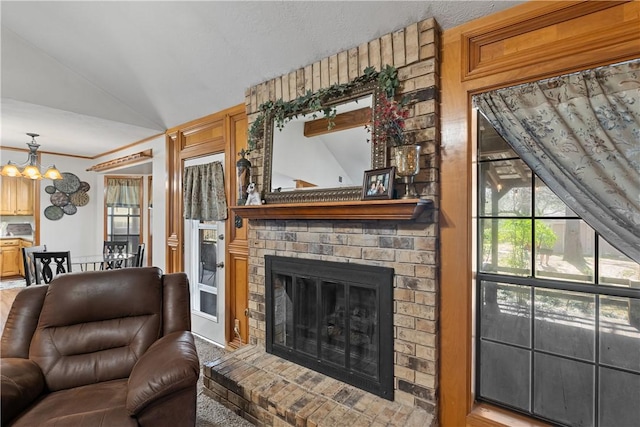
378 184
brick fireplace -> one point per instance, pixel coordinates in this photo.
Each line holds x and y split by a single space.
408 246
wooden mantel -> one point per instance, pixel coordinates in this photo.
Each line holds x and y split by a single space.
408 209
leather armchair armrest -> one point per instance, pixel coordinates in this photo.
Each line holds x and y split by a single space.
169 366
22 382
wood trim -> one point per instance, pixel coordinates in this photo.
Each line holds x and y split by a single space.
122 161
554 13
456 401
408 209
342 121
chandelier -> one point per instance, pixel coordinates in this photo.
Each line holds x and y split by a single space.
30 168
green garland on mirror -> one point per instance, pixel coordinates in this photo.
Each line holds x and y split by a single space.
282 111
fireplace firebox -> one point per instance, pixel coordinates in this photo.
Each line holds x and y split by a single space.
335 318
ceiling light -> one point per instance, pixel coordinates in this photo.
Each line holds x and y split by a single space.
31 168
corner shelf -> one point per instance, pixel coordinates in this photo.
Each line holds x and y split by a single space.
403 209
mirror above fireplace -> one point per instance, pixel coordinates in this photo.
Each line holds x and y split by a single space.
307 160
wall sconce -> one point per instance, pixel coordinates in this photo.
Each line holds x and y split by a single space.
30 168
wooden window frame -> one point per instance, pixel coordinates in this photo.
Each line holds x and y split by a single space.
525 43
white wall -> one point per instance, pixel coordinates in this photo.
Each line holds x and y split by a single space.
75 233
159 174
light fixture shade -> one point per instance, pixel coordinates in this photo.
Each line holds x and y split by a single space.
10 170
31 172
52 173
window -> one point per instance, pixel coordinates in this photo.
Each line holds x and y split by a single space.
123 207
123 224
558 308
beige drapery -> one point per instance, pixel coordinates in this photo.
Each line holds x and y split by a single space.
123 192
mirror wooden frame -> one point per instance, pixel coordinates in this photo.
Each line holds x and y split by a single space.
378 156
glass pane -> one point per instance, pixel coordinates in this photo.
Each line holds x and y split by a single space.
134 225
548 204
565 323
565 250
208 266
363 339
506 246
563 390
209 303
283 310
507 188
619 398
620 332
505 313
306 316
504 374
333 323
490 144
121 225
615 267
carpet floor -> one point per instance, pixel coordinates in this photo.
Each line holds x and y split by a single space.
211 413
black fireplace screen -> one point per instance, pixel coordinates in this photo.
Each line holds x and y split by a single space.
335 318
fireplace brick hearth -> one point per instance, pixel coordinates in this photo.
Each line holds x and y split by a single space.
253 382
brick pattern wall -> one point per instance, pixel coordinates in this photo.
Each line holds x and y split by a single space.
411 248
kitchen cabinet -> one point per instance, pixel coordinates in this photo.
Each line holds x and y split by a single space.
10 257
16 196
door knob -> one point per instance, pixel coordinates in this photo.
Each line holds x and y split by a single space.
220 236
220 265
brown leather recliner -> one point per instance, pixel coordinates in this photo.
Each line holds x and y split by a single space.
105 348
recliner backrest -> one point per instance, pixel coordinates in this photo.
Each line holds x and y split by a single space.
94 326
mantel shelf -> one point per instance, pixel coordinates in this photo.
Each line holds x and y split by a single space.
403 209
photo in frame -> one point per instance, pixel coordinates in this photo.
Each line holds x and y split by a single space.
378 183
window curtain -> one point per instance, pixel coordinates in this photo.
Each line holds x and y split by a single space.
581 134
123 192
204 196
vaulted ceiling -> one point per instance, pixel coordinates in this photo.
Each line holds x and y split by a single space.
90 77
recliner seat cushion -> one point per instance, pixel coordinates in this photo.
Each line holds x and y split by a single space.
103 329
96 405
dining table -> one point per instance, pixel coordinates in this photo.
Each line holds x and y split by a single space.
95 261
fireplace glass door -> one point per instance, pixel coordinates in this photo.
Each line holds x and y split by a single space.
331 324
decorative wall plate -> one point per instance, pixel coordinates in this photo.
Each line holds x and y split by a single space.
50 189
53 213
68 184
79 198
69 209
59 199
84 186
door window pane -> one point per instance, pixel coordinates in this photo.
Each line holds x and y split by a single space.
504 373
507 188
506 246
620 332
616 268
506 313
565 250
565 323
563 390
619 398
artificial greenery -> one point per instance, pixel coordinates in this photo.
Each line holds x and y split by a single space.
281 112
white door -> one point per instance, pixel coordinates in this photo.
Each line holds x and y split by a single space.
204 264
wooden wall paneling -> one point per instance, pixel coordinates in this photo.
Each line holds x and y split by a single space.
466 71
173 256
236 301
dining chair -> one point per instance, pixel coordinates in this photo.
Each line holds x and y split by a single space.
27 262
46 262
138 260
113 248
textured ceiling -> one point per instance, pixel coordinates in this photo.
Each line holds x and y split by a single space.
90 77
